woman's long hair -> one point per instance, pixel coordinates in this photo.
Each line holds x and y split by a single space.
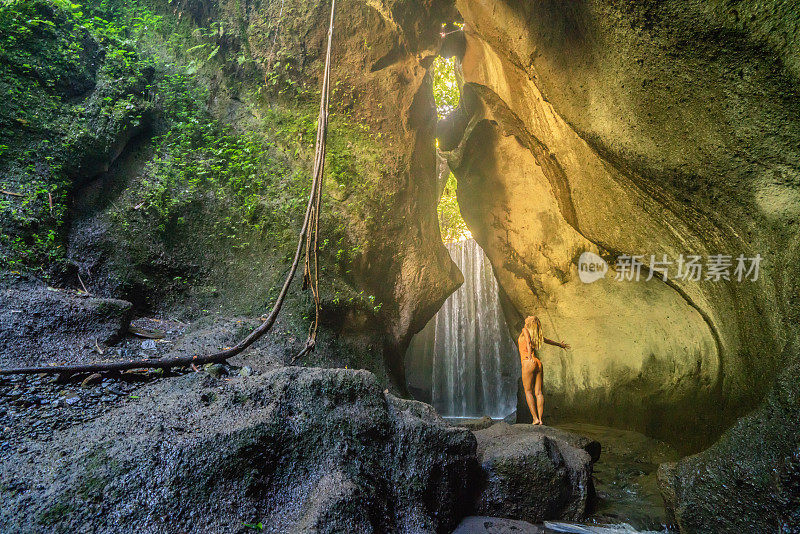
532 324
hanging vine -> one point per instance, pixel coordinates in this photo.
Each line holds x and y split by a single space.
308 243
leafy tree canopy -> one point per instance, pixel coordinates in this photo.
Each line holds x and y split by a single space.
445 85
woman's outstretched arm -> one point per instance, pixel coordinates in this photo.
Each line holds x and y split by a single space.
556 343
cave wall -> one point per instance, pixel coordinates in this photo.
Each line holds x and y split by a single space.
647 128
381 53
614 128
208 223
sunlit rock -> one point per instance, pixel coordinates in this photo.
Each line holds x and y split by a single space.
596 128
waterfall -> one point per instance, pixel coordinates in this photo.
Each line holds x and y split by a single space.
464 361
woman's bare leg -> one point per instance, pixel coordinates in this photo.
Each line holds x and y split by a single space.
528 371
539 378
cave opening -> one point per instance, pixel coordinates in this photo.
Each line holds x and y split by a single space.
446 94
462 362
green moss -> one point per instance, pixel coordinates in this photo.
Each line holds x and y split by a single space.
99 470
212 188
71 88
56 513
215 205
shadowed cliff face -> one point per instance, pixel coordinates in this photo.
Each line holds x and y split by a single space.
648 129
381 53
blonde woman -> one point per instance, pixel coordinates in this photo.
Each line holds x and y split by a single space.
530 342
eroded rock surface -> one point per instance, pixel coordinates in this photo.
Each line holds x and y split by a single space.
749 481
532 474
40 325
298 450
651 129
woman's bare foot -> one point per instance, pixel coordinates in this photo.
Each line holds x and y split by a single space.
536 422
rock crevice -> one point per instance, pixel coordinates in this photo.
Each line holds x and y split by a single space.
576 134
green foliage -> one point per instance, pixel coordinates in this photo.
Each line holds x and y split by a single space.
284 77
52 55
231 192
451 223
45 41
445 85
201 164
446 94
215 196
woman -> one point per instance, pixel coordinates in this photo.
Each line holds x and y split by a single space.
530 342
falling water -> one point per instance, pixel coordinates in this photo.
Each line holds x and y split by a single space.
464 361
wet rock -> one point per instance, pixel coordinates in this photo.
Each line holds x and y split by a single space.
749 481
38 325
532 473
574 438
476 424
496 525
300 450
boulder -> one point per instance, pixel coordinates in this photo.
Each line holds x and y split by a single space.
533 473
749 481
295 449
39 325
496 525
480 423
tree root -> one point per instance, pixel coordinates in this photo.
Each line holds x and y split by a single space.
304 242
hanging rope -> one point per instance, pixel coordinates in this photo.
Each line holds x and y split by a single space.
308 241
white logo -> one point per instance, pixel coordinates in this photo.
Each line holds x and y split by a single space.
591 267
